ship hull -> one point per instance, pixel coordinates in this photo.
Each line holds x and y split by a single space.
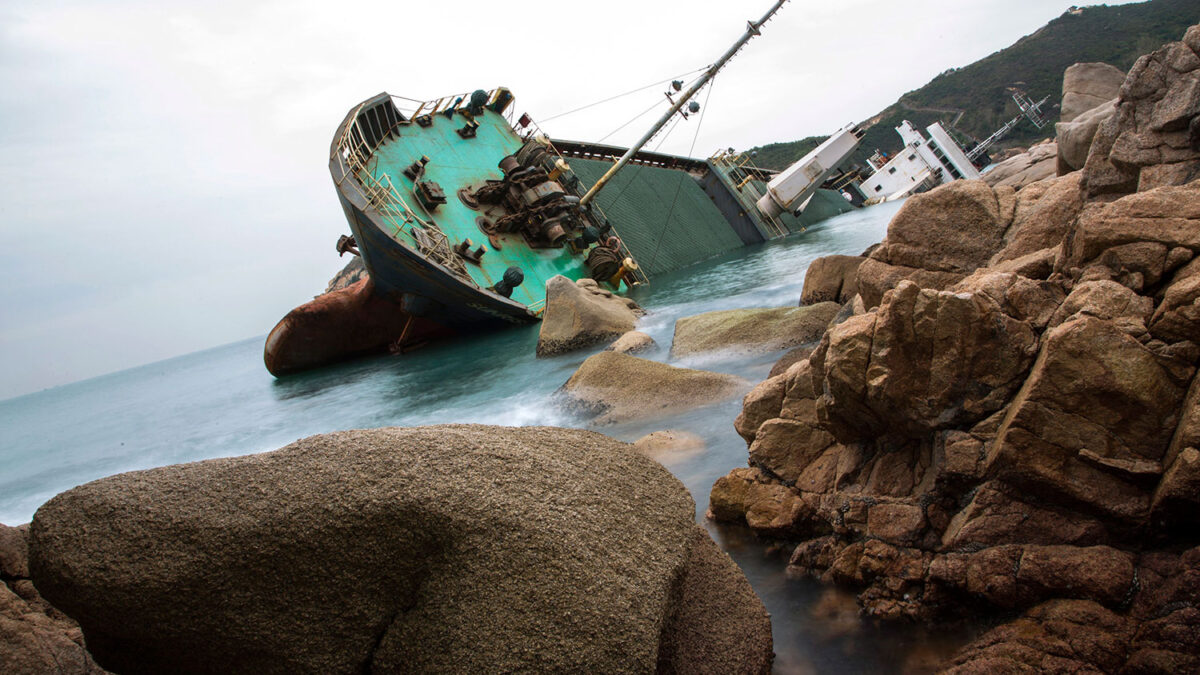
422 287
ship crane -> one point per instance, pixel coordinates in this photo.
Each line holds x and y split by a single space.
792 188
1029 110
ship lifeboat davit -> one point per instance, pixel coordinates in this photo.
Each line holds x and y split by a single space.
347 323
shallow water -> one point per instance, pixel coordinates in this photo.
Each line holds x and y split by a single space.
222 402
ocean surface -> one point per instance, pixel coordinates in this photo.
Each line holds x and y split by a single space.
222 402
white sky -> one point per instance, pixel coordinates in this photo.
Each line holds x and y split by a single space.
163 178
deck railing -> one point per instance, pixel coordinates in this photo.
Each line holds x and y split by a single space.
727 162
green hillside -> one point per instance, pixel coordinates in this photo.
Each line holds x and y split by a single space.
1035 63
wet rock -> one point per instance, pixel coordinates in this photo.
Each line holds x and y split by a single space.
997 515
610 387
954 228
718 625
1074 138
581 314
1036 164
462 548
1091 422
832 278
762 403
1067 636
1087 85
633 342
791 358
746 496
752 330
668 443
352 322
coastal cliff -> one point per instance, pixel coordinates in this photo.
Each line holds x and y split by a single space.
1006 420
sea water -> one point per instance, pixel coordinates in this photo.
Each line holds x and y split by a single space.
222 402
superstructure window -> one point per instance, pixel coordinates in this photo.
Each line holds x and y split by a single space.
878 188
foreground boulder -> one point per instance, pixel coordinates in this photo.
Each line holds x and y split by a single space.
438 549
581 314
752 330
610 387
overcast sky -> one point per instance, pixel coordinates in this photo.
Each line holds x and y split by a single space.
163 177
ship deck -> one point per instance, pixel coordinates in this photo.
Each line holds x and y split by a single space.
455 162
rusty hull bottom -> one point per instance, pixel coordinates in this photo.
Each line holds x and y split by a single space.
351 322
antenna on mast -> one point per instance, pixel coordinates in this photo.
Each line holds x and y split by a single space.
752 29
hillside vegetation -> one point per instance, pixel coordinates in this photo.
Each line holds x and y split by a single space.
1035 64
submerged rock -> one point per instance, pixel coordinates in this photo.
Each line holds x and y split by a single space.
752 330
437 549
669 442
633 342
581 314
610 387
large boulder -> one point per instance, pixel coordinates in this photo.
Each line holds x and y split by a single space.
1044 213
1074 138
832 278
1092 422
1153 139
610 387
876 277
953 228
926 360
581 314
438 549
752 330
1165 218
1037 163
1087 85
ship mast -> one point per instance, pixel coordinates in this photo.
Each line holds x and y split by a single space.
752 30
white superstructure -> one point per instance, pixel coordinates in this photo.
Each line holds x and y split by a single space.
792 188
922 164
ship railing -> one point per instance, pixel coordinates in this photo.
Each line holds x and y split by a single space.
532 130
727 162
382 196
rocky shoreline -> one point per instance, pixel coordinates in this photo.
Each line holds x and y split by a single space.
1007 421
